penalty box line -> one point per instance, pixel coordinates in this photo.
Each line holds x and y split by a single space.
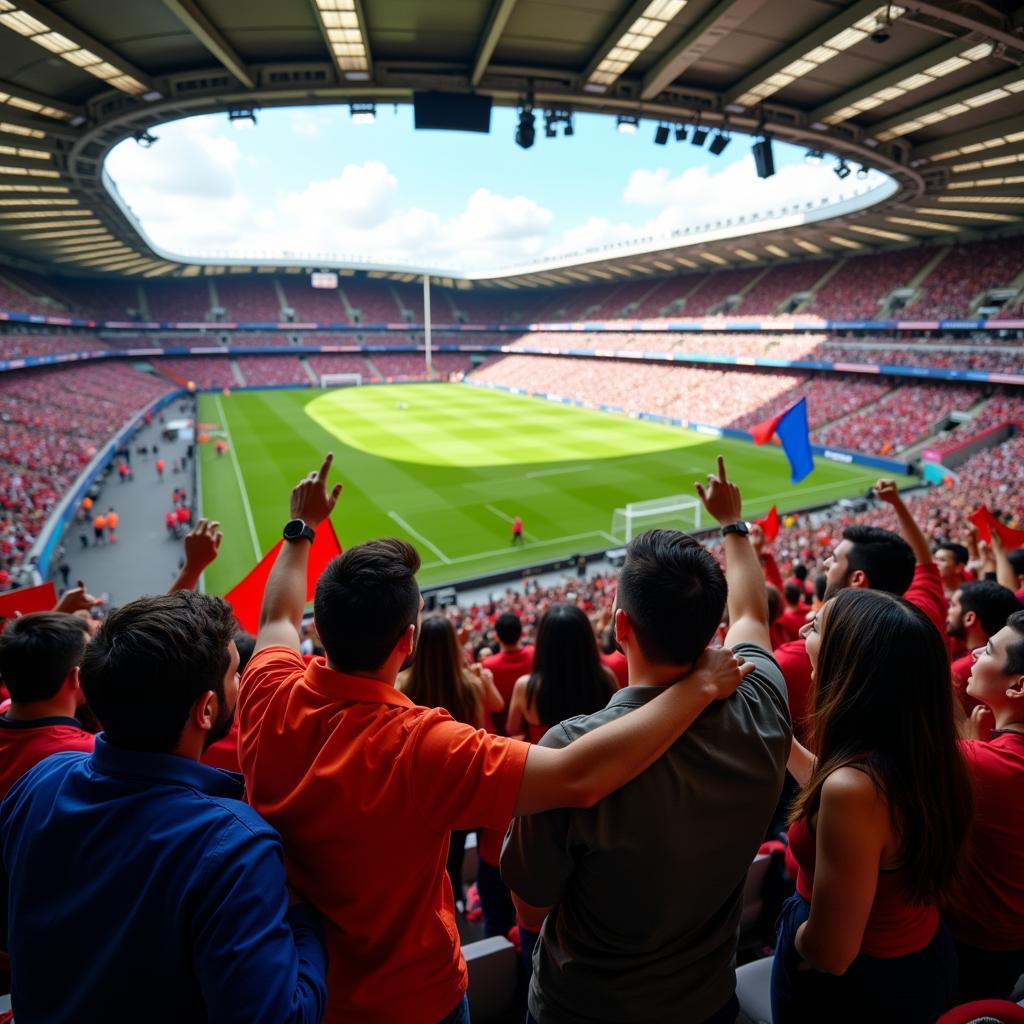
524 547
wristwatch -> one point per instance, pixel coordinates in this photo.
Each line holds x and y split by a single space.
741 527
296 529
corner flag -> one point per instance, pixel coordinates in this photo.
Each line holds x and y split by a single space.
792 430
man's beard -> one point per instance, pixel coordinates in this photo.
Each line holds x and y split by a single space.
833 588
221 727
957 632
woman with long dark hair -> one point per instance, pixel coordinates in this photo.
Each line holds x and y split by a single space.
568 678
440 678
878 829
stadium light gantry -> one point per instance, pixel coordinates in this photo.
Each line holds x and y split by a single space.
363 113
814 156
627 124
842 170
699 136
661 135
243 117
717 145
680 133
145 138
525 129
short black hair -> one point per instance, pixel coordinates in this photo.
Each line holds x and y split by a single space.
508 627
792 592
37 653
883 556
799 571
674 593
820 585
959 551
246 644
1015 652
990 601
365 599
151 661
1016 558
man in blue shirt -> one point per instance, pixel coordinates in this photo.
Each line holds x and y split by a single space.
134 882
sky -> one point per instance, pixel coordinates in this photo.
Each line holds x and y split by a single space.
308 182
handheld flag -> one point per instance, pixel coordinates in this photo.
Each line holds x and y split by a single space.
247 596
986 522
793 432
770 525
23 600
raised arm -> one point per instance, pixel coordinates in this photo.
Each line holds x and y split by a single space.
887 491
490 695
284 598
598 763
1005 572
77 599
748 600
201 547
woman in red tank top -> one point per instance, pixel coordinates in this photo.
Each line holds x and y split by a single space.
878 829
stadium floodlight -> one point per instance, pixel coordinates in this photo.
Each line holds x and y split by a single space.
812 59
842 170
145 138
718 144
661 135
862 172
243 117
699 136
814 157
363 113
680 133
555 116
525 130
764 157
627 124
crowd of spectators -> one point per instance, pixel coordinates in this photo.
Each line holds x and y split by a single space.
780 284
1001 410
858 287
828 399
200 371
16 345
251 299
271 370
964 273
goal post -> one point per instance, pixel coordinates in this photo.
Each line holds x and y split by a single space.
340 380
675 512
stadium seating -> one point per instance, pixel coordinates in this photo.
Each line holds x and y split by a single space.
964 273
318 305
251 299
266 370
182 299
828 398
715 288
13 346
781 283
202 371
338 363
372 299
103 299
862 282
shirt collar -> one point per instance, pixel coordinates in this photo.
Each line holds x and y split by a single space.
167 768
340 686
39 723
635 696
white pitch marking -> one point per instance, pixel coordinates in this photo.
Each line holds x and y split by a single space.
419 536
241 481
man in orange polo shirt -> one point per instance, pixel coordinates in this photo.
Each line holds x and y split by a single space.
364 786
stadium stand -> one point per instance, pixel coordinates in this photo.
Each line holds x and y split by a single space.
715 288
862 282
338 363
184 299
319 305
828 399
373 300
252 299
12 346
966 272
267 370
102 299
202 371
781 284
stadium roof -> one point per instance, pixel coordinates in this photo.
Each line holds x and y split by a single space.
932 94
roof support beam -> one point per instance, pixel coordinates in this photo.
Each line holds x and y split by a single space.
632 13
501 11
816 37
1010 79
993 130
722 19
894 75
190 15
34 100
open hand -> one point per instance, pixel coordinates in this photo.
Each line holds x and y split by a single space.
756 537
887 491
981 723
202 544
720 672
311 501
722 497
77 599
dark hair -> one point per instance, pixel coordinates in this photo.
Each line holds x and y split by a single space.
152 660
990 601
38 651
437 676
820 585
365 600
799 571
774 602
246 644
882 699
959 551
1016 558
509 628
883 556
1015 652
793 592
568 678
674 593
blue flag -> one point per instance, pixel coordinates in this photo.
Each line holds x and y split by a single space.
796 440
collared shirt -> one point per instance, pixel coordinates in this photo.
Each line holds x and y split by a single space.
24 742
139 886
365 787
647 885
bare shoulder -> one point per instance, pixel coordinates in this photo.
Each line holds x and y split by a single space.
852 790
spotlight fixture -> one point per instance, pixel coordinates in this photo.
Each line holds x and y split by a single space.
363 113
842 170
862 172
627 124
764 158
525 130
883 24
555 116
243 117
144 138
680 133
661 135
699 136
814 156
718 144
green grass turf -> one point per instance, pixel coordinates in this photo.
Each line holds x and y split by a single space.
447 466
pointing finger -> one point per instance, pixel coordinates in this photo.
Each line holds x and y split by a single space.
325 468
721 468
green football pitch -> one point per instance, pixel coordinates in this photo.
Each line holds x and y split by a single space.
448 466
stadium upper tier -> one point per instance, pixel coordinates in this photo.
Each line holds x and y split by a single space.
973 280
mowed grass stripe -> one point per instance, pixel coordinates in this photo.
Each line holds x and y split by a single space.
564 470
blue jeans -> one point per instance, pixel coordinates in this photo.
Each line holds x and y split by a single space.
460 1015
913 989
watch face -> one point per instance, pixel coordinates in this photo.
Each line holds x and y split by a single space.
293 529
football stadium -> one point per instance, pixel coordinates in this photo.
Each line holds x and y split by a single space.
511 510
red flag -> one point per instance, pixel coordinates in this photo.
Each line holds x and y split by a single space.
770 525
986 522
247 596
762 433
28 599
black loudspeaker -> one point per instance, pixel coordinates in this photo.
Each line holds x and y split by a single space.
452 111
764 160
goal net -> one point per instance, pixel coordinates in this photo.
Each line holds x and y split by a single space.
340 380
676 512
